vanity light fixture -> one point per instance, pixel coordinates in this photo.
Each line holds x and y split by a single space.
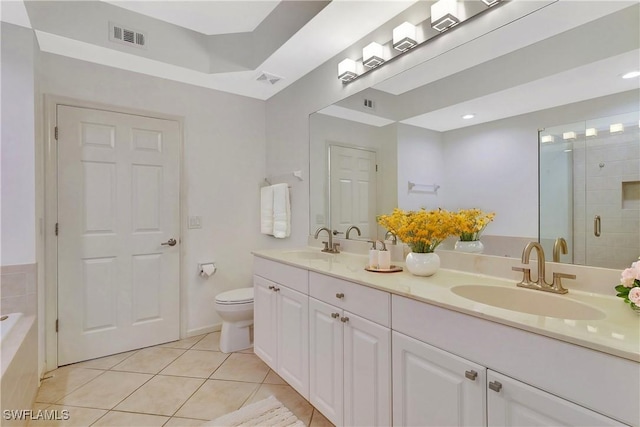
591 132
372 55
404 37
490 2
545 139
616 128
468 116
631 75
444 14
569 135
347 70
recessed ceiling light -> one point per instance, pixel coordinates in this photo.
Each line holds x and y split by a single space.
468 116
631 74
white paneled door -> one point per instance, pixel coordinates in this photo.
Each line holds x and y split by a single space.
119 224
353 189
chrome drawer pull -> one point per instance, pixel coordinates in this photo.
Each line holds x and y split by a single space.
272 287
495 386
335 315
472 375
344 319
340 295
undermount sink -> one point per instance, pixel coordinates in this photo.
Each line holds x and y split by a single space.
311 254
529 301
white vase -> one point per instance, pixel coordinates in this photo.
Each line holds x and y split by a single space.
422 264
472 247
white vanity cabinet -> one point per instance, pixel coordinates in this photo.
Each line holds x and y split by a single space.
350 356
434 388
281 321
513 403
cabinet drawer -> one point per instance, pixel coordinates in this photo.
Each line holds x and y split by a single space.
292 277
369 303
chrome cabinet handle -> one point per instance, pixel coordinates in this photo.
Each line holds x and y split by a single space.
495 386
335 315
344 319
277 289
170 242
472 375
272 287
340 295
597 226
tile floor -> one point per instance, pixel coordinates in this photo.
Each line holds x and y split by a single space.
183 383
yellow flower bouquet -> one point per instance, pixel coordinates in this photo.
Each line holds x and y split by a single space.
422 230
470 223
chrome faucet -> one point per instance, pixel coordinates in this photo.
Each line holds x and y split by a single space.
540 283
353 227
394 238
329 246
559 245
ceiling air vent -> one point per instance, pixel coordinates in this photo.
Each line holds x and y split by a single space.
126 36
268 78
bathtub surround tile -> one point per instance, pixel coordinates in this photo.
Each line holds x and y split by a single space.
195 363
14 284
106 363
242 367
149 360
288 396
78 417
209 342
107 390
216 398
15 304
161 395
63 381
120 419
185 344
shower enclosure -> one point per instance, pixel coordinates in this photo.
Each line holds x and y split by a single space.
590 190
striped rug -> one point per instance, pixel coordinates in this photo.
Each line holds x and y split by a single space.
268 412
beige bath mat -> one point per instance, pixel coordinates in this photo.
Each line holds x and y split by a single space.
268 412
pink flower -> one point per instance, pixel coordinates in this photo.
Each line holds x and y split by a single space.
636 268
629 275
634 296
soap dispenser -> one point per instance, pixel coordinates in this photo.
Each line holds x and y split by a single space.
384 259
373 255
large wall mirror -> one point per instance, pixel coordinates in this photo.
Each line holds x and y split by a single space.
412 148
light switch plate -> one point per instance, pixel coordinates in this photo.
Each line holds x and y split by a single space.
195 222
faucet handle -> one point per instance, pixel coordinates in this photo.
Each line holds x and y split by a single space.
326 247
526 275
557 282
335 248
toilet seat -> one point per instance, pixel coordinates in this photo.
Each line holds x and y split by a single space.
235 296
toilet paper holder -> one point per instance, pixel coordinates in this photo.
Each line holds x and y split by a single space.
206 269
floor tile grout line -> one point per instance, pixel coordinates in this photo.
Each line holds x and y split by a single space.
77 388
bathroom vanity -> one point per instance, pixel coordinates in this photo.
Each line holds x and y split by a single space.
396 349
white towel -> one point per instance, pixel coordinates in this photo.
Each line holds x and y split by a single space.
266 210
281 211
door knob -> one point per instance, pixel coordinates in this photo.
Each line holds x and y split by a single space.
335 315
170 242
344 319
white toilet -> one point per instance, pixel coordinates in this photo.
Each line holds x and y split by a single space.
235 307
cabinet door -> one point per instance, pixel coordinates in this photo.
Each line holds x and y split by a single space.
265 321
431 388
513 403
325 360
293 339
367 372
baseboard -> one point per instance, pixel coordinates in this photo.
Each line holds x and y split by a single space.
205 330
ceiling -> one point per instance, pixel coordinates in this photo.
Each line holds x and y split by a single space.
228 45
223 45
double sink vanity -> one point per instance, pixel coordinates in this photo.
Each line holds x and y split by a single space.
456 348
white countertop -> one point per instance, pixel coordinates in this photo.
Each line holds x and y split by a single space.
618 333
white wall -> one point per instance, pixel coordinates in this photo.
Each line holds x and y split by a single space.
421 161
224 155
18 149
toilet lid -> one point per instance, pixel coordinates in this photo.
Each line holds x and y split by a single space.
235 296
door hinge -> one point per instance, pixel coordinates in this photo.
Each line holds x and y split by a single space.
56 325
376 168
55 133
57 228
